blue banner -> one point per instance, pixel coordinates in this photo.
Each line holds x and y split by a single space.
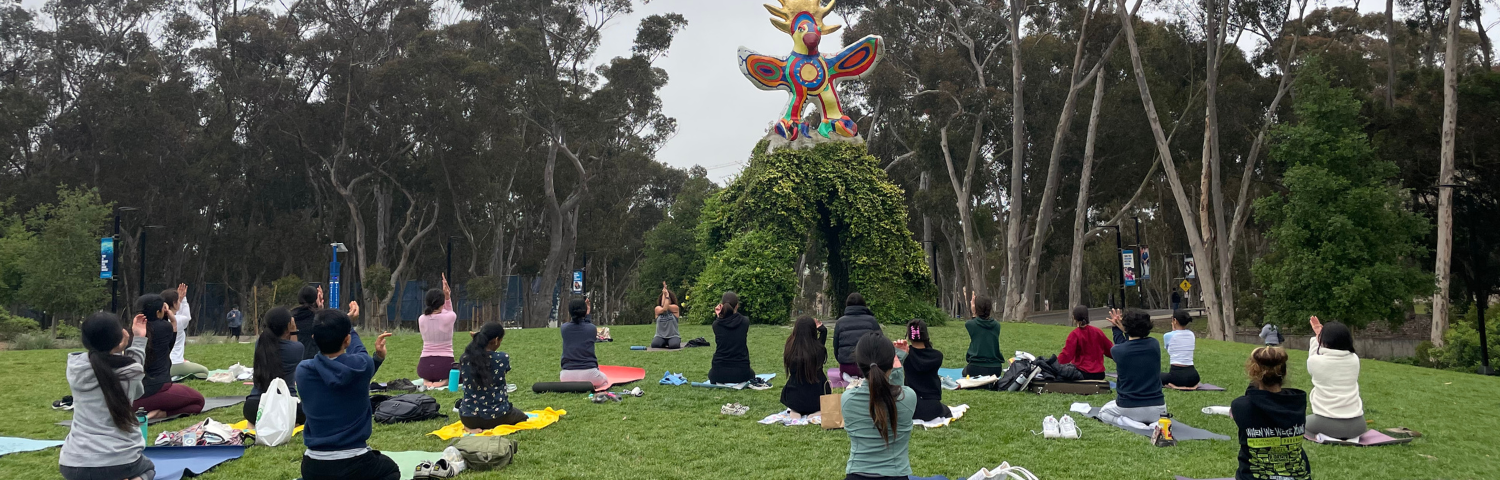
577 281
1128 261
107 258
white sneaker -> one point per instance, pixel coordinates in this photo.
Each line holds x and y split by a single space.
1067 427
1007 472
1050 428
455 459
982 474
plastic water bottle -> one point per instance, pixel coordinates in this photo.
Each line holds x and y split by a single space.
453 380
140 417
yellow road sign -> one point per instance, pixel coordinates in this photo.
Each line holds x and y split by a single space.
1185 286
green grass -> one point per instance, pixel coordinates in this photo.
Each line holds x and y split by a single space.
677 431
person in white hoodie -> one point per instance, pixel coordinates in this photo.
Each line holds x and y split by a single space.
1337 409
178 304
105 441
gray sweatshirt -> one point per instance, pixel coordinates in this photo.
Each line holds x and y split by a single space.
95 441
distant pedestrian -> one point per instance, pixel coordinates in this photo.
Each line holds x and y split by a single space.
1176 301
1271 335
236 320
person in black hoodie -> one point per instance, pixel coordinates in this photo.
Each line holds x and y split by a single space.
921 363
804 356
310 300
731 362
856 322
1271 421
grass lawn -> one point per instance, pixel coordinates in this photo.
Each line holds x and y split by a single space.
677 431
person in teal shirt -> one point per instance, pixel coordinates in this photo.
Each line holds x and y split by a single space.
878 415
984 357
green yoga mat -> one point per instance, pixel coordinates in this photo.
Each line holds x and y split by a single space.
408 461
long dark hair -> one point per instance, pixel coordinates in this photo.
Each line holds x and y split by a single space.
731 303
804 352
308 296
150 305
434 301
1336 336
916 331
578 308
268 348
101 333
876 357
477 355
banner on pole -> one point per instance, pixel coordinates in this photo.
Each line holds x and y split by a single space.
1189 267
1128 260
577 282
1145 262
107 258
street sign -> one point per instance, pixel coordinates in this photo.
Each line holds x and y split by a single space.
107 258
1185 286
1128 260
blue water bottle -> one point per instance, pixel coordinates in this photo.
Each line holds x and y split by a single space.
140 416
453 380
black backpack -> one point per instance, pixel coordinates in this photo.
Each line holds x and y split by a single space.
412 407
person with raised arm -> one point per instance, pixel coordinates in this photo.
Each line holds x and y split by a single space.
436 325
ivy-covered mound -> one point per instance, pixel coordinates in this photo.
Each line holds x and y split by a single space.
753 231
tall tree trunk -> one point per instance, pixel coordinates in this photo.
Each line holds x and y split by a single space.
563 224
1189 223
1081 212
1219 241
924 184
1486 49
1390 54
1017 193
1451 60
973 251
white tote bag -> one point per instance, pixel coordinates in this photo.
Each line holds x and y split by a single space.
277 418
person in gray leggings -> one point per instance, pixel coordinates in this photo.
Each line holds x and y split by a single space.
1338 411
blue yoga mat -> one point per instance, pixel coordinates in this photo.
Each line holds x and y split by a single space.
951 373
173 463
764 376
9 445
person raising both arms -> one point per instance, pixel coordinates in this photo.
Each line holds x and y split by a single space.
335 392
921 362
436 324
878 415
983 357
1270 421
731 362
309 301
856 322
1086 346
1137 355
177 304
482 369
1180 344
803 356
105 440
1338 410
160 397
579 364
277 353
667 314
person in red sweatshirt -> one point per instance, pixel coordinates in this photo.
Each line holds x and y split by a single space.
1086 346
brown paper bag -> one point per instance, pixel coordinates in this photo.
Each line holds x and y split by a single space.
833 413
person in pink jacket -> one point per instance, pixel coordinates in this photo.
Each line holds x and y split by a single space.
436 324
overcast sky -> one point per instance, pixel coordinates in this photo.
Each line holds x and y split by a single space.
720 115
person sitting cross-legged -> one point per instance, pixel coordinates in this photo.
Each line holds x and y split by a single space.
1138 394
335 390
486 403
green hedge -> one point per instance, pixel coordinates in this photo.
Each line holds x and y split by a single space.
754 229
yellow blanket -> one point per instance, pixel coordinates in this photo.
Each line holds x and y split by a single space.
541 418
245 425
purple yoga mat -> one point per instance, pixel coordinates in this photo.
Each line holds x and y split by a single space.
1370 438
836 378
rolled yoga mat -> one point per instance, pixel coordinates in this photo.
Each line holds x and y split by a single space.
173 463
210 403
562 387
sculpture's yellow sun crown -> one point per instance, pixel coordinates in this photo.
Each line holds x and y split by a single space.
789 9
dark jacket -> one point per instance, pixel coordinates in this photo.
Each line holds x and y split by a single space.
856 321
159 362
1139 363
578 345
304 314
984 343
731 363
1270 427
921 366
336 398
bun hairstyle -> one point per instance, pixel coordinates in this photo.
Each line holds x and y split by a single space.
1081 315
1266 367
916 331
578 308
1182 317
100 334
731 303
804 354
267 347
308 296
477 355
983 306
876 357
434 301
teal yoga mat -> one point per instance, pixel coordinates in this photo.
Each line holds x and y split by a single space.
408 461
9 445
173 463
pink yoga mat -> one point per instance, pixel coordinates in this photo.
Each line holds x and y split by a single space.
836 378
622 375
1370 438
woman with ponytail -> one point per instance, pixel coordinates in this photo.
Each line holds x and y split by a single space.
731 363
878 415
804 355
482 369
277 353
161 397
579 364
105 441
1271 421
921 362
436 324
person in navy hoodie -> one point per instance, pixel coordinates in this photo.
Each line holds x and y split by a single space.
1137 356
335 390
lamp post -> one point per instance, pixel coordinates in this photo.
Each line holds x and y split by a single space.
114 280
140 289
333 274
1119 251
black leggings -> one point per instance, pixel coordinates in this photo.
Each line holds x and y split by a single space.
673 343
1090 376
511 417
856 476
370 466
1181 376
141 468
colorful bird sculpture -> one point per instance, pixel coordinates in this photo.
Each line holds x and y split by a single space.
807 74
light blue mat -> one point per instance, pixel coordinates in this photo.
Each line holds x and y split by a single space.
9 445
173 463
951 373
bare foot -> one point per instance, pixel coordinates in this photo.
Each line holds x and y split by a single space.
155 414
475 431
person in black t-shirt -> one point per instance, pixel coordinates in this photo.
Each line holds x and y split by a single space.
921 362
1271 421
